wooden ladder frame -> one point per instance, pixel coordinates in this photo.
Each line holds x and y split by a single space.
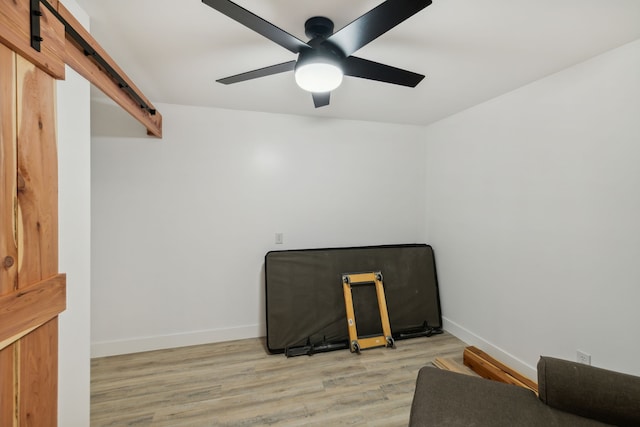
355 343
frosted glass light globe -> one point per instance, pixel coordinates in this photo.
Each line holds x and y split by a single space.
318 77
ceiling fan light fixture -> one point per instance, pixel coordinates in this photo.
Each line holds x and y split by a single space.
318 76
327 56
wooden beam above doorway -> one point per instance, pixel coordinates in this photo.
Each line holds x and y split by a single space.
66 41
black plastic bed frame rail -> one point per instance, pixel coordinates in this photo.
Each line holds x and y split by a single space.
421 331
309 349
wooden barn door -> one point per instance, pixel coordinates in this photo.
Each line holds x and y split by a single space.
32 293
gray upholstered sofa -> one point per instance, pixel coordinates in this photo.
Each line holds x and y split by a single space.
571 394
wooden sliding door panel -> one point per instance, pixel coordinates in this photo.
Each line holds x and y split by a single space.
37 189
38 405
37 175
7 386
32 293
8 244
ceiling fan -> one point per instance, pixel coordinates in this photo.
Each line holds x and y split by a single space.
326 57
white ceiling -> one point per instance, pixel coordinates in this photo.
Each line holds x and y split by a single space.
470 51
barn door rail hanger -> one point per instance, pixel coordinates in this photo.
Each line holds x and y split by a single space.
36 39
35 16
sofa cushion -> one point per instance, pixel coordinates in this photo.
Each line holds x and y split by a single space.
445 398
597 393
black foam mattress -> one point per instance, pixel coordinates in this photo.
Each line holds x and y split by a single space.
305 299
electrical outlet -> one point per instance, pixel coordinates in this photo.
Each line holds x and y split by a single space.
582 357
279 239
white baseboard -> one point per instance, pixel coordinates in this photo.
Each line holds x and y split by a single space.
137 345
472 339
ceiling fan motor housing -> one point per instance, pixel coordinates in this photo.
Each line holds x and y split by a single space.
318 27
325 53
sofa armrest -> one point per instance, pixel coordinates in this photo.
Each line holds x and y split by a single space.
596 393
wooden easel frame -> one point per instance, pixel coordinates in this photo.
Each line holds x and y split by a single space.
356 344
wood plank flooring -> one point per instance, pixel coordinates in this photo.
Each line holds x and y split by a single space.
238 383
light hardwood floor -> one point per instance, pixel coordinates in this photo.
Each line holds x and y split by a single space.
239 384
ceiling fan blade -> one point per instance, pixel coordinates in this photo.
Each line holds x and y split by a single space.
257 24
320 99
374 23
358 67
261 72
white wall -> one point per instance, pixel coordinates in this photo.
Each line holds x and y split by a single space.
533 204
180 226
74 142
